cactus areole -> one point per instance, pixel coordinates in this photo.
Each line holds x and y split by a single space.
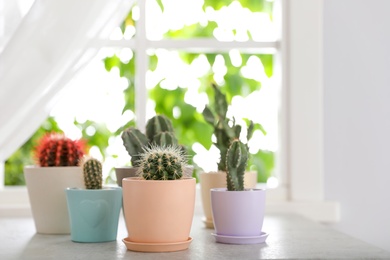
159 132
55 149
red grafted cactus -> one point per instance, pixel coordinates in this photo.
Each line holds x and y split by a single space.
55 149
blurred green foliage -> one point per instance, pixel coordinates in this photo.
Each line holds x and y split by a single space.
190 125
24 155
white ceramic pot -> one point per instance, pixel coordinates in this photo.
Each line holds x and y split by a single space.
211 180
46 189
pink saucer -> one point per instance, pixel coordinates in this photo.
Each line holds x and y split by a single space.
156 247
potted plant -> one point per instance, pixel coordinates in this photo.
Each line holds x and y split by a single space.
94 211
159 131
238 213
225 131
58 158
159 204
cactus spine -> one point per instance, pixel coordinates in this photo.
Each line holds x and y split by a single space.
223 132
159 132
93 174
236 160
55 149
162 163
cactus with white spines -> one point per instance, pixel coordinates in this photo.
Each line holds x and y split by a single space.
162 163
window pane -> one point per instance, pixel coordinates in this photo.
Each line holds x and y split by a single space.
223 20
179 85
127 29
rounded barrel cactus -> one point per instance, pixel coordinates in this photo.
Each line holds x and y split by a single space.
55 149
162 163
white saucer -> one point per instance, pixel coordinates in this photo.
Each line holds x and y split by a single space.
239 240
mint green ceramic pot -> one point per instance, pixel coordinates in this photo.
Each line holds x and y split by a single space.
94 214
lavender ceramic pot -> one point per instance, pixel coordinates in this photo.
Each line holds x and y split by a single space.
238 213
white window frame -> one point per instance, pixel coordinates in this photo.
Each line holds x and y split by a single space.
298 61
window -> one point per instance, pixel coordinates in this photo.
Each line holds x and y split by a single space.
155 38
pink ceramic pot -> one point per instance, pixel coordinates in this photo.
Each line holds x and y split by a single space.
158 211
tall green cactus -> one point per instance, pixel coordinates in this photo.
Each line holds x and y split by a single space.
93 174
225 130
162 163
236 160
159 132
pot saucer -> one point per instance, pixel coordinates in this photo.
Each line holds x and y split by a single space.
240 240
156 247
208 223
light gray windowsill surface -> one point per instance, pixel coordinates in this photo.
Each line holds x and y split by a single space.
290 237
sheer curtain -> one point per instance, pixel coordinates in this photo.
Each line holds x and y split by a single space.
51 43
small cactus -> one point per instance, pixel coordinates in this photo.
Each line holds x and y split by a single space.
93 176
159 132
236 160
225 130
162 163
55 149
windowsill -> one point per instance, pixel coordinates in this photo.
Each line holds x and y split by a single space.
14 202
290 237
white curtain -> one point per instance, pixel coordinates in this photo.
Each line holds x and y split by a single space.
51 43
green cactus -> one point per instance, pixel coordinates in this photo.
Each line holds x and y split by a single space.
134 142
162 163
225 130
236 160
158 124
159 132
93 177
164 138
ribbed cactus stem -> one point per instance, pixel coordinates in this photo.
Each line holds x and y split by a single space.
93 174
134 142
162 163
236 159
157 125
225 130
165 139
55 149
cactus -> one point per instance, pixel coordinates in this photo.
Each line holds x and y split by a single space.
225 130
162 163
158 124
236 160
159 132
93 176
134 142
55 149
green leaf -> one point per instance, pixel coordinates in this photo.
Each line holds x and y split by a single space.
159 2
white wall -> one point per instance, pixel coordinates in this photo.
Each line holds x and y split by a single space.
357 116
